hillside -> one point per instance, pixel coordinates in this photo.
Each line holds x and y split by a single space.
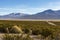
47 14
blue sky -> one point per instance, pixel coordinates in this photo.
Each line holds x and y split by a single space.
27 6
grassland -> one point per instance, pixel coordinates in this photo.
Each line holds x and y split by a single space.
46 29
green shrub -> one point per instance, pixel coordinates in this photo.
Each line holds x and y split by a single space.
16 37
35 32
26 31
46 32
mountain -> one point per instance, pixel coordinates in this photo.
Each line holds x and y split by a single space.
14 15
47 14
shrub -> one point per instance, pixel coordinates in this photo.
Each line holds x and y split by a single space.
46 32
36 32
16 37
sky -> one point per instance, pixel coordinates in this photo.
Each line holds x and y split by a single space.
27 6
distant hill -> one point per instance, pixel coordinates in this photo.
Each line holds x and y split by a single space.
47 14
14 15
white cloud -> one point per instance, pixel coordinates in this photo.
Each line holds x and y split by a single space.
21 9
54 5
4 11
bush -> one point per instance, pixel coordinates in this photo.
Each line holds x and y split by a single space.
16 37
26 31
36 32
46 32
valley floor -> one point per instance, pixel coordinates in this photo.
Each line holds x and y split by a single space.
35 29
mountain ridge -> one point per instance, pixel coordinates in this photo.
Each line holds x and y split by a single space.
47 14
